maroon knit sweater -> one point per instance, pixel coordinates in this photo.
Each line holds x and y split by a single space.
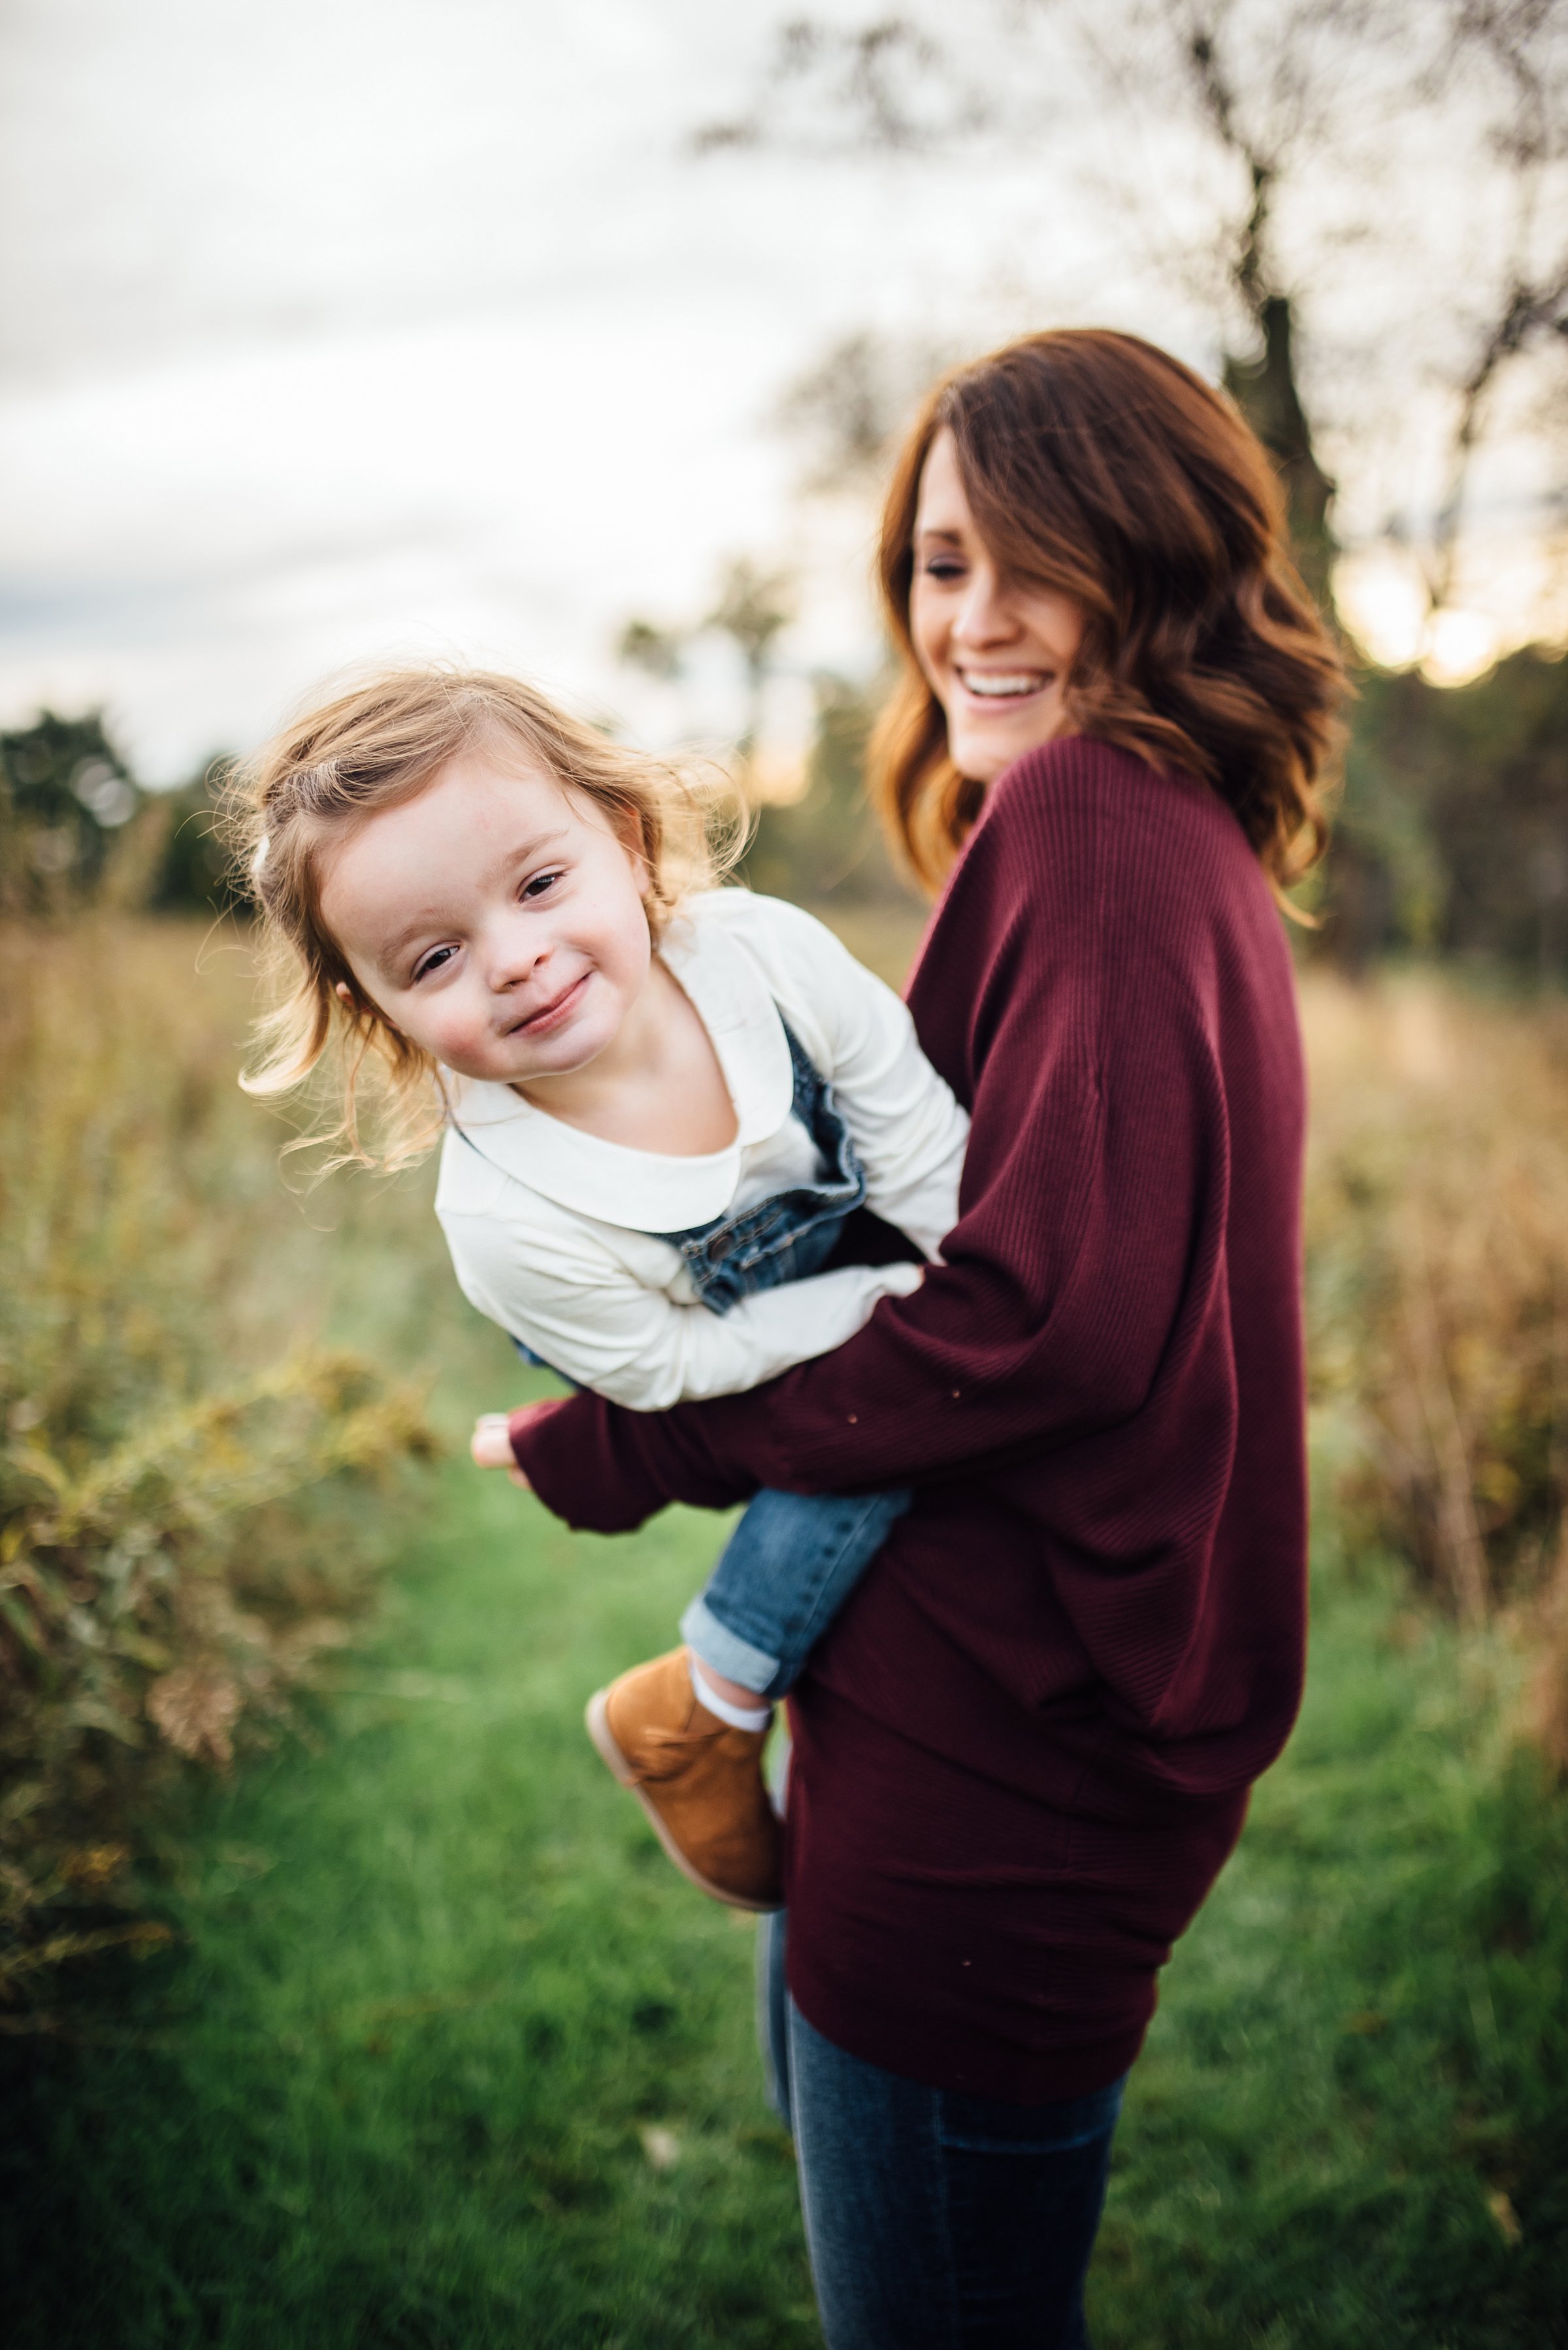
1022 1752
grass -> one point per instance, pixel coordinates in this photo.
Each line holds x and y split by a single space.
1347 2128
446 2054
436 1983
1438 1280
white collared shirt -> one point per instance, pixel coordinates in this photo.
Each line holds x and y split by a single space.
554 1232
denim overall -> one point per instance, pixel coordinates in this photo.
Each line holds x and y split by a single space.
795 1558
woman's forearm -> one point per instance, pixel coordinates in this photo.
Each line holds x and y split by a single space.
875 1413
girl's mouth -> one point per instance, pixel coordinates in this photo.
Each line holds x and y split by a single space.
1005 685
552 1015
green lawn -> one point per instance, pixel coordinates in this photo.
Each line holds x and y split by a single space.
447 2055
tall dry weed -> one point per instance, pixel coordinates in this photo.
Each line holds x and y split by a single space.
1437 1287
183 1475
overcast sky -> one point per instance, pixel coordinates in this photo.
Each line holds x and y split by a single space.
332 330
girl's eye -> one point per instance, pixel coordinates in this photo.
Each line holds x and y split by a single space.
433 962
538 883
943 566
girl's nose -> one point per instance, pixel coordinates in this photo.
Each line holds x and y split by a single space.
513 952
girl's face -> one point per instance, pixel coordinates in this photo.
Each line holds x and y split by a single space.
997 652
494 919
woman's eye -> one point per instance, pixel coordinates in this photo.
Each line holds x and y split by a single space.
943 566
539 883
433 962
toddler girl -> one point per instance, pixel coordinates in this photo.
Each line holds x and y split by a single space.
689 1141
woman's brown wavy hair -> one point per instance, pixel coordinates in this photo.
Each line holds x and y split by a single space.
1102 469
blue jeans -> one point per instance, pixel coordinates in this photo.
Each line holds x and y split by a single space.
934 2221
786 1571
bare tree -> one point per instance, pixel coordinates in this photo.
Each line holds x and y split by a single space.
888 82
1525 44
848 406
1286 101
1264 380
644 645
753 609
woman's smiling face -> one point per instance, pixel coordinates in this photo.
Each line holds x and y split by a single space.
997 652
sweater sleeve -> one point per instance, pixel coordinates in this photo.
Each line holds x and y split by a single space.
1089 1237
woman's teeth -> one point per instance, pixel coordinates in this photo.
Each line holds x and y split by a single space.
999 685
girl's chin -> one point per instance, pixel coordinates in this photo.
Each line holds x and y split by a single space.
561 1056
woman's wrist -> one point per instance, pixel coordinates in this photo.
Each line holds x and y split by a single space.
564 1450
605 1469
518 1424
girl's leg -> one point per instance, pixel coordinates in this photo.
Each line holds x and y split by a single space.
685 1733
943 2222
785 1571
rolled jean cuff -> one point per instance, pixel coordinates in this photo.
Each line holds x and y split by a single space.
725 1652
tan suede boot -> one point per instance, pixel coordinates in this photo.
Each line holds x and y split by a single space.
699 1779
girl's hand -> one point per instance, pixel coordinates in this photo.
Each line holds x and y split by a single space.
490 1447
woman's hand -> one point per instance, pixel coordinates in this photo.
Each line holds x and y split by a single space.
491 1446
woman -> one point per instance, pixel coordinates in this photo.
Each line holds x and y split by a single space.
1023 1753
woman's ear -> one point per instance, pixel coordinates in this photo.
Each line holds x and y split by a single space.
343 994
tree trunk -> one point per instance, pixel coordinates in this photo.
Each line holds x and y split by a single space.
1266 390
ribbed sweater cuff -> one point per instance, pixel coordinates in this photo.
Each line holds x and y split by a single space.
606 1471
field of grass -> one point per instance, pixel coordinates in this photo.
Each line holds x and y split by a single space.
446 2054
443 2054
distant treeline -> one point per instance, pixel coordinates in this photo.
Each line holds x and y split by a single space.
76 827
1453 836
1450 838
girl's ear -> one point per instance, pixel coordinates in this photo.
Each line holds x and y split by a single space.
631 840
362 1004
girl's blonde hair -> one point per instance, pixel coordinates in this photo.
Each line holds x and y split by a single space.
381 742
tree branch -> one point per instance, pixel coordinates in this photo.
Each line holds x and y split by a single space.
1516 38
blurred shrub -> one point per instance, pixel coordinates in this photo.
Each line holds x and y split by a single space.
1453 833
76 828
1438 1293
185 862
65 796
826 848
187 1511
